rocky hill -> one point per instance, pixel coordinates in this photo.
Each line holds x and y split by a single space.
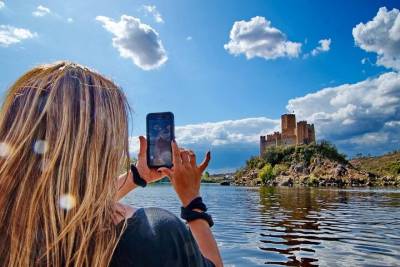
387 165
310 165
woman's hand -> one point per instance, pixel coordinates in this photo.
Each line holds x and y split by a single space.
150 175
185 175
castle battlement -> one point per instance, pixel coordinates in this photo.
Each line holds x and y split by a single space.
292 133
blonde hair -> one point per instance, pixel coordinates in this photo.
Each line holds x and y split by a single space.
63 141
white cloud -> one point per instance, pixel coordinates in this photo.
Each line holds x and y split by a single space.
11 35
360 117
189 38
355 114
324 46
2 4
379 138
152 10
70 20
231 142
223 133
41 11
257 38
136 41
360 111
382 36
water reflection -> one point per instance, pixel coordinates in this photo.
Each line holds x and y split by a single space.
299 222
290 231
296 226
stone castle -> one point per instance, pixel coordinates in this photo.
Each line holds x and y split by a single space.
292 134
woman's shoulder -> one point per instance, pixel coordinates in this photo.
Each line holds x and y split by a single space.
156 215
155 227
156 237
157 219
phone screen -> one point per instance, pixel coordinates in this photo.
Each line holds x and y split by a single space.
160 133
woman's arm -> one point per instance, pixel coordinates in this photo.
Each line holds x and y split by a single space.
205 239
125 182
185 177
125 185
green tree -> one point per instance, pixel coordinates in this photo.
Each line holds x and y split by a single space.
266 173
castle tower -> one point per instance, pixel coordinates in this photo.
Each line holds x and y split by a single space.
292 133
288 124
262 145
311 133
302 133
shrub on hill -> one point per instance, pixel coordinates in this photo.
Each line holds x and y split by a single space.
303 153
279 169
266 173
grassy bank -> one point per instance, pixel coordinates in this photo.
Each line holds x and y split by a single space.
318 164
385 165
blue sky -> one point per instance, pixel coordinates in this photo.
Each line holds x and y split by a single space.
227 69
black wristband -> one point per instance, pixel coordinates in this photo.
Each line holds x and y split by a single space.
191 215
196 203
136 177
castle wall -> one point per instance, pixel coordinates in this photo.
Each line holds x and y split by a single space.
270 143
288 140
292 133
274 139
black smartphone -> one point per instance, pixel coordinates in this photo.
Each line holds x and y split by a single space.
160 131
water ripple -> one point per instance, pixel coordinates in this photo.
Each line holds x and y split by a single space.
296 226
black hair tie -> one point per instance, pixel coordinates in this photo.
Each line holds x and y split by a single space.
197 203
137 179
189 214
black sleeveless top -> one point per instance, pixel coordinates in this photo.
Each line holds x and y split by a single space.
155 237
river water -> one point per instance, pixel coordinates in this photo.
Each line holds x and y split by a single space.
295 226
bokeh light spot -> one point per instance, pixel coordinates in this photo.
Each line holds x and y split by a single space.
5 149
67 201
40 146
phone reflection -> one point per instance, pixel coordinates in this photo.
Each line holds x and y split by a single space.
160 142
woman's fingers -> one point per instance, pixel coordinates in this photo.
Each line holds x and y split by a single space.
165 171
176 155
143 147
188 158
192 158
185 157
205 162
